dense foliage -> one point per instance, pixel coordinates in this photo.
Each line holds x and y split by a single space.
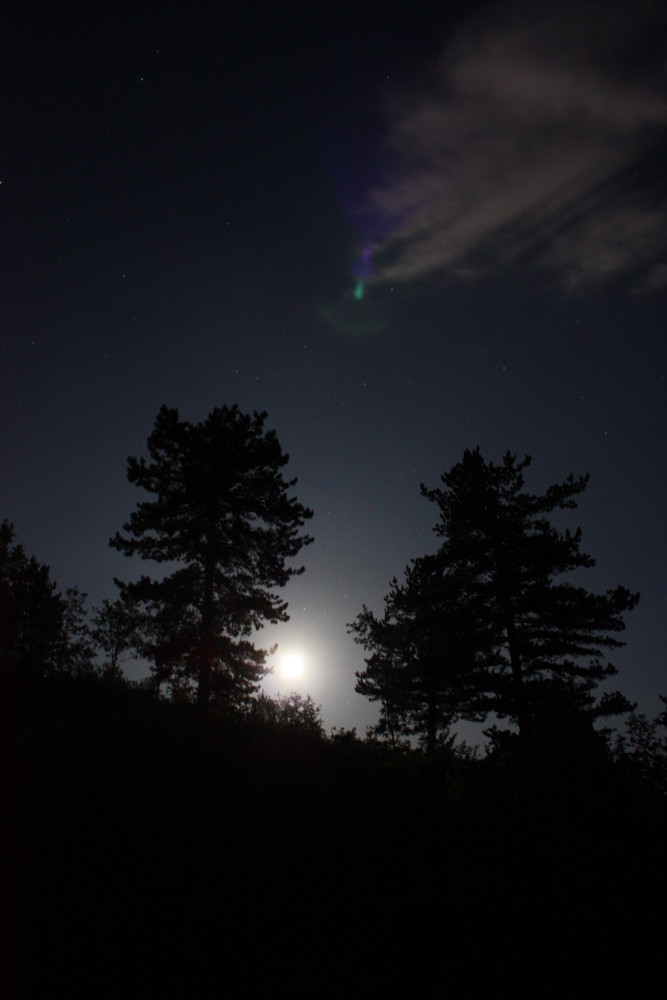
42 630
423 661
493 622
220 510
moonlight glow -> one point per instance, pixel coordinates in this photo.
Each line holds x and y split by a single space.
291 666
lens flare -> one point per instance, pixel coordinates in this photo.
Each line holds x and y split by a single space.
353 313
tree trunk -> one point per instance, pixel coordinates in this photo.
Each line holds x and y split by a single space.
206 635
523 716
431 724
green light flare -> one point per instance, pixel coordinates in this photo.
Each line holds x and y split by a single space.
359 290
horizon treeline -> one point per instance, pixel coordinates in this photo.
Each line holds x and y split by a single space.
490 628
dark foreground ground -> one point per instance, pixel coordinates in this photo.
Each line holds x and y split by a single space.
145 853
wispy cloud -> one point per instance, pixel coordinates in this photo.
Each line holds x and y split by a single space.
529 143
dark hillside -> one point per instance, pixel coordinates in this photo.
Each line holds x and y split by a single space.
135 837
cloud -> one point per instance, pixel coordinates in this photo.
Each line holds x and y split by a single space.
530 142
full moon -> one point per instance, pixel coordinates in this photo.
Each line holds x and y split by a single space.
291 666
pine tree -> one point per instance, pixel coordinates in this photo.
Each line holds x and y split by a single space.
548 636
31 609
491 623
423 658
42 631
221 512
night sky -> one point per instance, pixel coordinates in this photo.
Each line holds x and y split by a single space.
401 229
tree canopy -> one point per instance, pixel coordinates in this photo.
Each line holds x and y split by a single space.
221 511
422 655
42 630
489 618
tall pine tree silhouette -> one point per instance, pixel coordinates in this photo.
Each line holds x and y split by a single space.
548 636
221 511
491 622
